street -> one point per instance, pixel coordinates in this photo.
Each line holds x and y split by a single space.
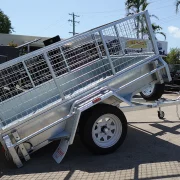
150 151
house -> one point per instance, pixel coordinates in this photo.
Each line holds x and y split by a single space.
18 40
12 46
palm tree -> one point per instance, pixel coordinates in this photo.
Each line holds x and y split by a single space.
157 30
177 5
136 6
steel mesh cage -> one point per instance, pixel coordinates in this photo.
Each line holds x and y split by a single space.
38 69
13 81
71 67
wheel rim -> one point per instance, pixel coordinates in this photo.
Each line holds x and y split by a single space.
148 90
106 130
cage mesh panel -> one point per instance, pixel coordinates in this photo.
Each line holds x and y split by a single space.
33 109
57 62
129 33
112 41
13 81
80 52
86 77
100 44
135 28
127 61
38 69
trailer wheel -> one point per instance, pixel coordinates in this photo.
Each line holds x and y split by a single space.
161 114
104 130
153 92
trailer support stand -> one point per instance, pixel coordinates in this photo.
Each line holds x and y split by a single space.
21 146
12 151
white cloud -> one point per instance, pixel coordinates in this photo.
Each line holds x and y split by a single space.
174 31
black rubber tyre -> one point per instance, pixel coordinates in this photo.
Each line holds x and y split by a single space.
156 93
86 126
161 115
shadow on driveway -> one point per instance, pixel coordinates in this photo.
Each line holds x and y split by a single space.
139 148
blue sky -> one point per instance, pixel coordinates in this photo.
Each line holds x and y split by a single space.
50 18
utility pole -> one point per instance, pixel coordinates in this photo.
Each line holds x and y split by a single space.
74 23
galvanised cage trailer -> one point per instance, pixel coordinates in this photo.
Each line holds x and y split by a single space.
80 83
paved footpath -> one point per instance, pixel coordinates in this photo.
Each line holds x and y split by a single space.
150 151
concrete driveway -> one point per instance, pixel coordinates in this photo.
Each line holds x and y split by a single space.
150 151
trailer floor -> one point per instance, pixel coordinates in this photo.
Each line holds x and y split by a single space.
150 151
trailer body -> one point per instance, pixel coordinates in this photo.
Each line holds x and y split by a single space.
44 93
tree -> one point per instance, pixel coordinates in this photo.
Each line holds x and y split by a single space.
174 56
133 7
5 24
157 30
136 6
177 5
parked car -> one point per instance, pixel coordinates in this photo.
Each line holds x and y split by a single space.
176 77
175 83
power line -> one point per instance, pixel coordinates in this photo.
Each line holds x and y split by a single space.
169 20
50 26
156 1
74 23
115 11
99 12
